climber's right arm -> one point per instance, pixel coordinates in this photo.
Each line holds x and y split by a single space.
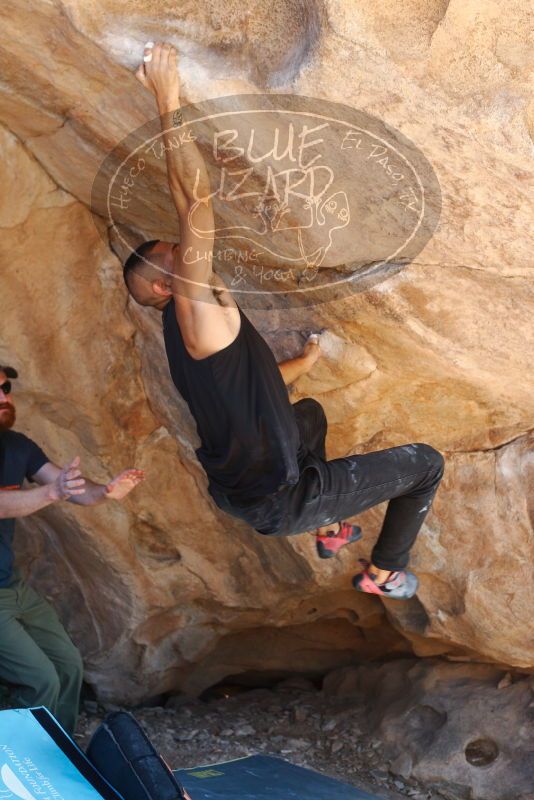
187 175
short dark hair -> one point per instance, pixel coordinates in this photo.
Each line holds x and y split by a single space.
11 372
137 258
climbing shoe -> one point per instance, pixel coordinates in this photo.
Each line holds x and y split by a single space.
400 584
329 544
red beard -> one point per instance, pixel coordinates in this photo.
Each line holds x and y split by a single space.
7 416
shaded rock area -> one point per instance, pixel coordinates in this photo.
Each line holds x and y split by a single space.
466 730
166 593
424 730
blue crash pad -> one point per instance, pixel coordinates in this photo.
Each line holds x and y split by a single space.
264 778
38 761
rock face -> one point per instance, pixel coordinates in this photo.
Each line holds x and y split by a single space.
166 592
464 729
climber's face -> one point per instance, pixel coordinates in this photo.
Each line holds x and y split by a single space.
7 406
150 284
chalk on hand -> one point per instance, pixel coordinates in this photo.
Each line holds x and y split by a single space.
313 337
148 56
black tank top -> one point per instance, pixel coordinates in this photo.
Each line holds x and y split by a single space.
250 444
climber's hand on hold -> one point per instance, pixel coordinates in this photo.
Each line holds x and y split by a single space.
293 368
159 73
312 350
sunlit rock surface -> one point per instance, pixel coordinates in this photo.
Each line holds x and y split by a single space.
166 592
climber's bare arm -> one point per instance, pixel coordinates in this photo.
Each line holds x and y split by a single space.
293 368
207 314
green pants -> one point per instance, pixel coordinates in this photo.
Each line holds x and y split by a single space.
36 655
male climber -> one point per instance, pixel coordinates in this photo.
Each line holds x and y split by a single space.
264 458
36 655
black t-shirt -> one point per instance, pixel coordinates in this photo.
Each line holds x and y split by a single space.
249 437
19 458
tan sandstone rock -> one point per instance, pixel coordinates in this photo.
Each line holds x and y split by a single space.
166 592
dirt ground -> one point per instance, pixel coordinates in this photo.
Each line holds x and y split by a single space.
292 721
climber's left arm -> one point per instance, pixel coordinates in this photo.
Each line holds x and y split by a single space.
95 493
293 368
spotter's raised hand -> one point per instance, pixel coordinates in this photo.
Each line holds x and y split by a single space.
123 484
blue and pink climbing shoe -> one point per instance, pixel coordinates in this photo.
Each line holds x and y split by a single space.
400 585
329 544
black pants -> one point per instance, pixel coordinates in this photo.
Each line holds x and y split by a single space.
330 491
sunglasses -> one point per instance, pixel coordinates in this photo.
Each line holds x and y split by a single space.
6 387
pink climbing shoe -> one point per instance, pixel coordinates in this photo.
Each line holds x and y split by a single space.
329 544
400 585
